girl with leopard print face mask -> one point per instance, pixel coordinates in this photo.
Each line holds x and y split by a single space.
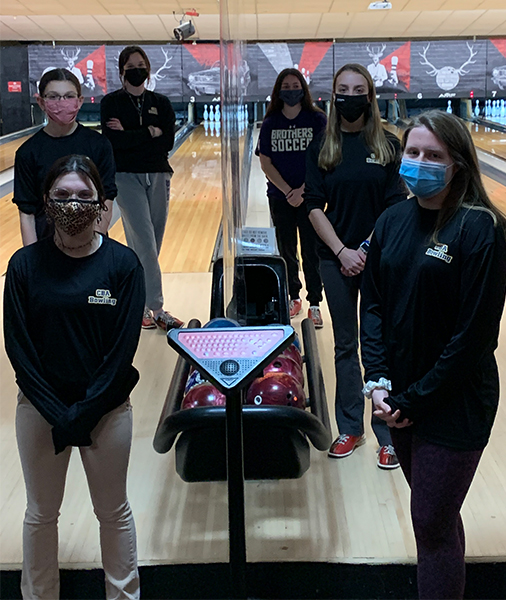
73 307
75 205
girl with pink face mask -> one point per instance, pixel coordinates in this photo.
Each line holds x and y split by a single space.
60 98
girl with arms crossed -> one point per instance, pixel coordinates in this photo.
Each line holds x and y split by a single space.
140 125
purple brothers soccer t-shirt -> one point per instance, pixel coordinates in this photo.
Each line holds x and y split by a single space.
285 142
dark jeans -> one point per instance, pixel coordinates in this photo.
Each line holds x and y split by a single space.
342 298
287 219
439 478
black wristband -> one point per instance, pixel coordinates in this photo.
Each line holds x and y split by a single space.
337 255
290 190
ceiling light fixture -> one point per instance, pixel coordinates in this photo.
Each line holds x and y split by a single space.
186 28
380 5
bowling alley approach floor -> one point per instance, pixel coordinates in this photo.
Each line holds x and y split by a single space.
344 510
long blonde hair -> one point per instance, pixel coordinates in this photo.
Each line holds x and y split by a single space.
375 138
466 187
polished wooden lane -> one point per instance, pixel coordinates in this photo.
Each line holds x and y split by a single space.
195 206
341 510
10 235
8 152
488 139
194 213
484 138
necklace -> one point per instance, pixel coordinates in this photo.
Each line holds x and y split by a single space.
139 105
62 245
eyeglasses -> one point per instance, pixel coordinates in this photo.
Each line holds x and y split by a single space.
63 195
64 97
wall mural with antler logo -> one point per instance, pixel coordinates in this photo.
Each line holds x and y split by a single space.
165 68
404 69
449 69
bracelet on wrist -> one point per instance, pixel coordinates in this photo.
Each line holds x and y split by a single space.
337 255
289 191
382 384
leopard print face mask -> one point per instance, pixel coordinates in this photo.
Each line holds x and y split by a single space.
73 217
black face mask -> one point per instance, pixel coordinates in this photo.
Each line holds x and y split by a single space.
351 108
136 77
291 97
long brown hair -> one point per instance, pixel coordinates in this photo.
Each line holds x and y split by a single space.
276 104
466 187
374 134
75 163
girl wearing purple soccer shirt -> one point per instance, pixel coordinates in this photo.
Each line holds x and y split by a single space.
290 124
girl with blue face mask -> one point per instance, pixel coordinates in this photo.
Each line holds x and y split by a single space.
427 167
433 296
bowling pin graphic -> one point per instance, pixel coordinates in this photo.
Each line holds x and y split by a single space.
217 114
211 113
503 109
477 109
394 79
206 113
90 82
246 116
449 108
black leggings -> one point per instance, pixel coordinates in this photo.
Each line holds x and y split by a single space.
287 220
439 478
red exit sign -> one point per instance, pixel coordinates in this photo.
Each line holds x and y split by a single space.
14 86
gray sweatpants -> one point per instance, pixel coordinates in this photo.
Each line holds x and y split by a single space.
143 199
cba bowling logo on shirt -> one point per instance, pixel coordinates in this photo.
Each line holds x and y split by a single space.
440 251
102 297
291 140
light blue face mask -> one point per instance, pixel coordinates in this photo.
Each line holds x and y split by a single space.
424 179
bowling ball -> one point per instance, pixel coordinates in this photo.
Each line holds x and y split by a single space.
220 322
276 389
204 394
293 353
195 378
284 364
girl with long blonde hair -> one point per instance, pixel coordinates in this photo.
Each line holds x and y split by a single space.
351 178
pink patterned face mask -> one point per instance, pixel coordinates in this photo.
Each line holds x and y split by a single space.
62 111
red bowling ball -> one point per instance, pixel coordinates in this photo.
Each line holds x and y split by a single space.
204 394
283 364
293 353
276 389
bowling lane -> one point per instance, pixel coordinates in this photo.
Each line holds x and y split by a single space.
195 205
8 152
485 138
488 139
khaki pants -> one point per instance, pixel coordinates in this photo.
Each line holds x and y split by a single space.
105 463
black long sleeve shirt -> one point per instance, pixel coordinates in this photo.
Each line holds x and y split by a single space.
37 155
430 320
135 151
72 326
355 193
